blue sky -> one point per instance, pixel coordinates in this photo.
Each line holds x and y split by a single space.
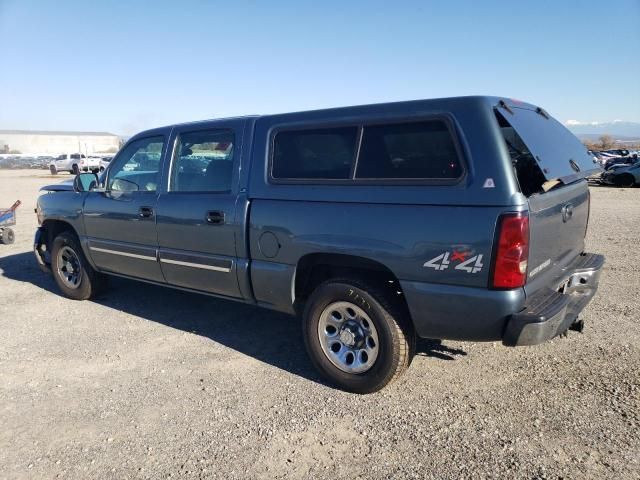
123 66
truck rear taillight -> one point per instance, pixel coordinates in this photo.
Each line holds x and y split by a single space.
512 251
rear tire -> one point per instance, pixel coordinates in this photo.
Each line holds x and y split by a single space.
7 236
75 170
72 272
356 337
625 180
53 170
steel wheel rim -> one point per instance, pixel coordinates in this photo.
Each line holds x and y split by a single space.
348 337
69 269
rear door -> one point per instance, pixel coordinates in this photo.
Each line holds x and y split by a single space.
197 229
550 164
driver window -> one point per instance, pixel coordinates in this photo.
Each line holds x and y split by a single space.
138 167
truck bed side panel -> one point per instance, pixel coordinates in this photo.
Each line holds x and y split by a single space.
454 242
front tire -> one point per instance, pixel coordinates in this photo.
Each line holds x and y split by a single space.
625 180
356 336
7 236
71 270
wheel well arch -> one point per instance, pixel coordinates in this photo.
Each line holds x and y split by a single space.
315 268
53 228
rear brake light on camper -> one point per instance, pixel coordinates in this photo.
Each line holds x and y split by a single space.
512 252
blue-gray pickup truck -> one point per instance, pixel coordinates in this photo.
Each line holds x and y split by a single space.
458 218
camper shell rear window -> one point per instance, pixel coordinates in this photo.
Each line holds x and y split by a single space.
560 157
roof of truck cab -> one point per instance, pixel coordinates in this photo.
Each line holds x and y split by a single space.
436 103
439 103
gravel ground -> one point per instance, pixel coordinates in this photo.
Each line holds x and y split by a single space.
147 382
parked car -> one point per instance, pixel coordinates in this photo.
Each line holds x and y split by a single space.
618 152
74 163
11 161
622 175
611 162
104 162
45 161
460 218
597 157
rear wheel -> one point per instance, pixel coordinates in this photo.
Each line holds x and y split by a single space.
75 170
53 169
355 336
625 180
7 236
71 271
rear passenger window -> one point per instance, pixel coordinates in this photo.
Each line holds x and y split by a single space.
314 154
203 162
420 150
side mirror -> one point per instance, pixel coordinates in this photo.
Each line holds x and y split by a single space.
85 182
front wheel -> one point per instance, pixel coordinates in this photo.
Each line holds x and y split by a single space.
71 271
7 236
357 337
625 180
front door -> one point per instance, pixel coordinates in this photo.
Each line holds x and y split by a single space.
197 230
120 222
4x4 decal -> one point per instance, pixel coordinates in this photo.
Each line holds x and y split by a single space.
443 261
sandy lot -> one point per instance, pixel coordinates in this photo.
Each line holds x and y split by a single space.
147 382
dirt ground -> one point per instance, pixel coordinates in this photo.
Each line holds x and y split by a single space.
148 382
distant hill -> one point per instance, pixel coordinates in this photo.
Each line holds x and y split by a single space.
593 137
618 129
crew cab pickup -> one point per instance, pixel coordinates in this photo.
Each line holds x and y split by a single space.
459 218
74 163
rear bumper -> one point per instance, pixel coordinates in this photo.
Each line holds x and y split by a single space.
450 312
552 311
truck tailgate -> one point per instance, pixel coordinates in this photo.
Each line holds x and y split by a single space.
558 222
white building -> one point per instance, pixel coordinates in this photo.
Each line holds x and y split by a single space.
47 142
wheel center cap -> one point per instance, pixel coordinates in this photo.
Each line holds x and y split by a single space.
347 337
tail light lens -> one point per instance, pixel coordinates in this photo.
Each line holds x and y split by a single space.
512 253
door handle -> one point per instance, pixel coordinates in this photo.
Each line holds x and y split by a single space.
215 217
145 212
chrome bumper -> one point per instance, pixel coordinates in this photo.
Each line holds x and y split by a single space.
552 312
